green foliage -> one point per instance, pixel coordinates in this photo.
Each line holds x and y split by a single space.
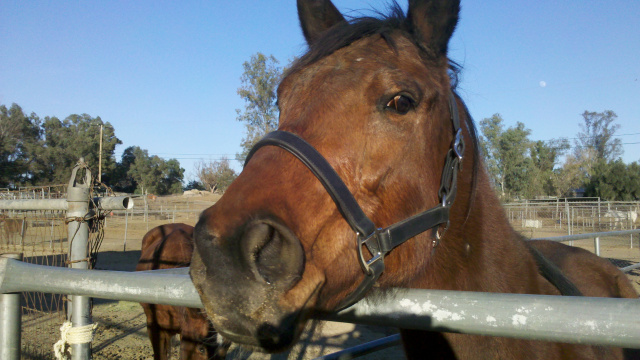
68 140
194 185
259 84
514 147
491 131
215 175
19 139
595 159
544 158
506 155
519 167
615 180
141 173
597 133
36 151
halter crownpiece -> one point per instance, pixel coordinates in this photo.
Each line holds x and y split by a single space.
379 242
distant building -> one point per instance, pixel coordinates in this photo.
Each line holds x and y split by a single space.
579 192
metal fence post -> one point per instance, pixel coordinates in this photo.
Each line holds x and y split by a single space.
10 321
78 195
596 244
126 225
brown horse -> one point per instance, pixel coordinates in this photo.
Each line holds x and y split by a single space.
167 247
12 228
370 153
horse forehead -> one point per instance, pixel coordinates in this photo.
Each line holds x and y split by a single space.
365 60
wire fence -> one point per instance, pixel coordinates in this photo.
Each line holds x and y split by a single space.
41 236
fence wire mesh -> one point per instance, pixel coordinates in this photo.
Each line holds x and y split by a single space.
558 217
42 237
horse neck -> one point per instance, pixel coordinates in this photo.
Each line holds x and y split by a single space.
481 251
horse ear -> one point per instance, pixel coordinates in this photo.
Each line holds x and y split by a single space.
317 16
433 23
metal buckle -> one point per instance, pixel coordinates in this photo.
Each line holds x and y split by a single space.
458 145
366 264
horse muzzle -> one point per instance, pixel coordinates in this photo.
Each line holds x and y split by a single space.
242 280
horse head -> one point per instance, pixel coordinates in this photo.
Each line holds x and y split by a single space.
372 97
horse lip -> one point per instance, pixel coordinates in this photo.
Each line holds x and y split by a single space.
266 339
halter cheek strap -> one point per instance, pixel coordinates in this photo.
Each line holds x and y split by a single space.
379 242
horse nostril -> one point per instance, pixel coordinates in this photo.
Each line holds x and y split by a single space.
273 253
267 257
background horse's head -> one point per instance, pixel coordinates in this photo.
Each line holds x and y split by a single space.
372 96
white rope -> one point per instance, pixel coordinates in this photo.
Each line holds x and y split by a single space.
72 335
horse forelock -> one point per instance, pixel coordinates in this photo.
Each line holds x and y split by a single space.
346 33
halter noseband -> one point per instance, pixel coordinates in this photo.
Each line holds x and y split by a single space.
379 242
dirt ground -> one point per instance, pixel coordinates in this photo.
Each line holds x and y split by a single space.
121 331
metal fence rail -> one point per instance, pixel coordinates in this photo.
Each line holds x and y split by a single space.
66 224
601 321
596 242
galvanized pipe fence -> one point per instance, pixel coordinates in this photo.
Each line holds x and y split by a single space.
78 214
584 320
573 215
596 241
600 321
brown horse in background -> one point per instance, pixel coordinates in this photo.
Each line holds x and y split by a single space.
375 98
12 228
166 247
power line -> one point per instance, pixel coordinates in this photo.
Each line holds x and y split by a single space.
587 137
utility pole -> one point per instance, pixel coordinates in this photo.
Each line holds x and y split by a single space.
100 158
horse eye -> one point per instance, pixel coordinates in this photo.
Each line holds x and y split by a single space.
400 104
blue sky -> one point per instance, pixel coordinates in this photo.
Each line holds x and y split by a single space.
165 73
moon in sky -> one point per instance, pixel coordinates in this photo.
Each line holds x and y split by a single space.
543 83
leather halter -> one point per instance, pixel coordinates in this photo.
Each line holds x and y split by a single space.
379 242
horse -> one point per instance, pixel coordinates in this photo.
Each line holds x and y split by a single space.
166 247
622 218
374 177
13 228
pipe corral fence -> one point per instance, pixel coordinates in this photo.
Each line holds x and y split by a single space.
54 232
601 321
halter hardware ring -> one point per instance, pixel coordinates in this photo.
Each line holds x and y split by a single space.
458 145
366 264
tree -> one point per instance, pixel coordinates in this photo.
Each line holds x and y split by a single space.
574 172
506 155
615 180
259 84
516 164
144 173
491 131
20 136
544 158
120 178
215 175
64 142
595 149
194 185
597 133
